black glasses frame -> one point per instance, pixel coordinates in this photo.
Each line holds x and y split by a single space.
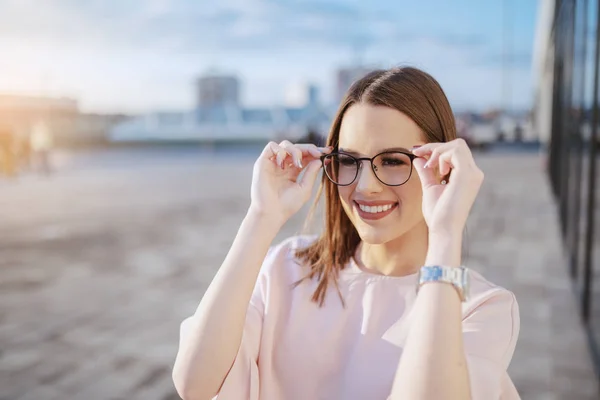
359 164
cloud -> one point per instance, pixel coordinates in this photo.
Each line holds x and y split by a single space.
94 44
183 26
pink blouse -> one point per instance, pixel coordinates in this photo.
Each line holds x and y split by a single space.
294 350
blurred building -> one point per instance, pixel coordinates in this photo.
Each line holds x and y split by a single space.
566 115
21 113
229 122
94 128
218 90
302 95
345 77
68 126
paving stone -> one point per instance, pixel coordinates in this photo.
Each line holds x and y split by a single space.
45 392
106 263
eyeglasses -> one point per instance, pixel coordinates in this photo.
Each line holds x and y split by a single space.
392 168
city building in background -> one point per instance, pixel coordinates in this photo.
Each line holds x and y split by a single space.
218 91
223 119
302 94
566 117
219 117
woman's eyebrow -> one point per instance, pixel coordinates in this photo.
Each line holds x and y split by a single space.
353 152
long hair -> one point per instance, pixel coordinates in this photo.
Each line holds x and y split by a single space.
406 89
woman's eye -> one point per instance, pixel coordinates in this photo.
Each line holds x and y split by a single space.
346 161
393 162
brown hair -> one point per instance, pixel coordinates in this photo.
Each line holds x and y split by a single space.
406 89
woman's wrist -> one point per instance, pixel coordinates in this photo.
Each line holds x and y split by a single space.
444 250
265 219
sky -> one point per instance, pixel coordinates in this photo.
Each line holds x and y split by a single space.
137 56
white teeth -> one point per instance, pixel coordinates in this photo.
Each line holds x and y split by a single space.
375 209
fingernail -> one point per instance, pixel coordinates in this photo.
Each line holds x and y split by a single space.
426 165
416 147
299 163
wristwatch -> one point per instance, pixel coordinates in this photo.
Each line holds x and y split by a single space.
456 276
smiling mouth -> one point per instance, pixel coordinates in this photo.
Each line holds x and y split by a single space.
375 212
376 209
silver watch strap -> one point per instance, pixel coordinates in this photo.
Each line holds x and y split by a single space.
456 276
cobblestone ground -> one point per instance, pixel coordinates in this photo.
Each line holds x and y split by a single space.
99 265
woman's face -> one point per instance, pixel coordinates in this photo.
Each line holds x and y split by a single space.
366 131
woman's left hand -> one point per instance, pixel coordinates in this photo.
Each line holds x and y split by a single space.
446 207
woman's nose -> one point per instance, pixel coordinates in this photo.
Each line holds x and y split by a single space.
367 182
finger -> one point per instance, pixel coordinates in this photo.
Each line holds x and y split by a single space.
462 156
304 146
281 157
311 149
457 159
295 151
445 161
274 152
429 148
426 149
270 150
430 152
433 158
305 153
315 151
426 175
310 176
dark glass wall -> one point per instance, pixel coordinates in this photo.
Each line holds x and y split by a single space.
573 160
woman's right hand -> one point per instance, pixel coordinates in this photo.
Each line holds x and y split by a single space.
276 191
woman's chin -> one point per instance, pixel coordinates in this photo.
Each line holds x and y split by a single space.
372 235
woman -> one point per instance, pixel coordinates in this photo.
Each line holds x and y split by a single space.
377 306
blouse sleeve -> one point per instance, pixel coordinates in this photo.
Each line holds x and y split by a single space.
490 332
242 380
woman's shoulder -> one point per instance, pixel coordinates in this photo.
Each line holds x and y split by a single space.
484 292
294 243
286 248
280 272
491 322
281 258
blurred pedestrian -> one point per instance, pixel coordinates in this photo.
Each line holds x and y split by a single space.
7 151
23 153
41 143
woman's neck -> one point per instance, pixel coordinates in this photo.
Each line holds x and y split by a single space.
399 257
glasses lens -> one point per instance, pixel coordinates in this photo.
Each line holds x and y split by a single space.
392 168
341 169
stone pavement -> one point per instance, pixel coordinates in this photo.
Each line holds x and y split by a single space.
99 266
